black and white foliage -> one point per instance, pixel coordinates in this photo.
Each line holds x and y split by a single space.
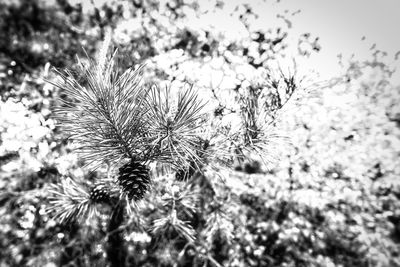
116 120
120 123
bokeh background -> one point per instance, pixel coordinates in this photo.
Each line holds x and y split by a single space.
332 199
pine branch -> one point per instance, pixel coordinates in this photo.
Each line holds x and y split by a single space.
174 127
70 201
260 138
105 116
219 143
184 200
171 225
102 56
176 203
218 223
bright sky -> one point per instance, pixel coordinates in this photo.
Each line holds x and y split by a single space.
341 24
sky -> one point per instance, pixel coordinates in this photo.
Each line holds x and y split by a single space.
341 25
344 27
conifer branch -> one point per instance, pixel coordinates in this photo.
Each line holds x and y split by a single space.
170 225
70 201
105 114
102 56
174 127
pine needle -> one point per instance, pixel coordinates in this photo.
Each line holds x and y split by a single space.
104 115
102 56
70 201
174 127
169 225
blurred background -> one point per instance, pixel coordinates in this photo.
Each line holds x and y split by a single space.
332 199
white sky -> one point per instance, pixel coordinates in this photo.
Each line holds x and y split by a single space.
341 24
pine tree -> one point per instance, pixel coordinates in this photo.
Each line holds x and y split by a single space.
116 120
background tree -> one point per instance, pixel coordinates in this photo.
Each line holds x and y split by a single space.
256 215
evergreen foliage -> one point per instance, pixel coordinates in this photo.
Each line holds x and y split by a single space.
142 158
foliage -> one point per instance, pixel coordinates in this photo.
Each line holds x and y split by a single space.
332 199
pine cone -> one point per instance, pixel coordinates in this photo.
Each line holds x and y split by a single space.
100 193
134 178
